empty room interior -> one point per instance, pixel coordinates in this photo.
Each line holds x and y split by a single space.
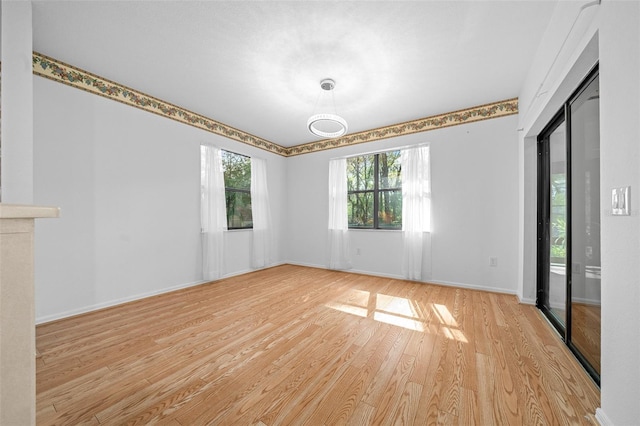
271 213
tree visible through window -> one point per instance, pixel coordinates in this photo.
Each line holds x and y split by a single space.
237 183
374 187
558 215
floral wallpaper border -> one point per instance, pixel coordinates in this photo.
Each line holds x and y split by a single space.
55 70
469 115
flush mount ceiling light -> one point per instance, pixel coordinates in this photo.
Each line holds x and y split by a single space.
327 125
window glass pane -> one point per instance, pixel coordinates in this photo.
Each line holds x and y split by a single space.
390 209
375 183
237 170
237 182
389 170
238 209
360 210
360 173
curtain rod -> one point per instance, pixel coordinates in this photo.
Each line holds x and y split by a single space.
378 151
231 151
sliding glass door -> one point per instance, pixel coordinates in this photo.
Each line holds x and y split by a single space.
569 223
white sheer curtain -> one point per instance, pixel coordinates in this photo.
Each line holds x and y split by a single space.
213 214
416 208
338 223
262 234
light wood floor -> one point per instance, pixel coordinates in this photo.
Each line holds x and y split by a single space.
295 345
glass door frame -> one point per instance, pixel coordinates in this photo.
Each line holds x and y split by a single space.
544 222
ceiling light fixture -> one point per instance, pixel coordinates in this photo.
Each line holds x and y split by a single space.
327 125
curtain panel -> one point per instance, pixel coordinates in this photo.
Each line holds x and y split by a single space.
416 209
261 212
338 221
213 214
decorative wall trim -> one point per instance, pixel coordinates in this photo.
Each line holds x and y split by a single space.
463 116
53 69
61 72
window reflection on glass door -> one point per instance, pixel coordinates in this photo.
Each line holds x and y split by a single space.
552 223
557 300
585 223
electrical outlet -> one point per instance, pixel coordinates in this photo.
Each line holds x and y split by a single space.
493 261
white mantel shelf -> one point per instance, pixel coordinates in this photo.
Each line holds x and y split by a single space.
22 211
17 312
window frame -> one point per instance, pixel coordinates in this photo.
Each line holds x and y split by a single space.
376 191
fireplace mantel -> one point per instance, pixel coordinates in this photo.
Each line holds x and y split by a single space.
17 316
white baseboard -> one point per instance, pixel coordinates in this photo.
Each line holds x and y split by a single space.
111 303
399 277
527 301
602 418
97 306
590 302
309 265
472 286
376 274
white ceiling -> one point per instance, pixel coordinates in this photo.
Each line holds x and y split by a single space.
257 66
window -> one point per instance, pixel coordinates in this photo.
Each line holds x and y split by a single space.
237 185
374 188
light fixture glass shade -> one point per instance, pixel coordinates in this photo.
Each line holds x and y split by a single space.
332 120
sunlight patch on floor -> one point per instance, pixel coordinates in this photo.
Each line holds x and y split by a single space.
400 312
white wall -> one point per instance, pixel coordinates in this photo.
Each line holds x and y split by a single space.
578 36
474 193
128 184
620 159
17 103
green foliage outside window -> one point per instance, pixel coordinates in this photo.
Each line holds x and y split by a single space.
374 185
237 182
558 217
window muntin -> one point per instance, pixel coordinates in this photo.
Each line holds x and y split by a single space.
374 185
237 183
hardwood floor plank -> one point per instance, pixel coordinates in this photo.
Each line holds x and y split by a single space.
367 362
531 392
333 337
258 378
297 345
387 402
407 405
469 410
433 383
363 415
484 322
388 369
305 376
350 398
138 405
332 400
426 344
